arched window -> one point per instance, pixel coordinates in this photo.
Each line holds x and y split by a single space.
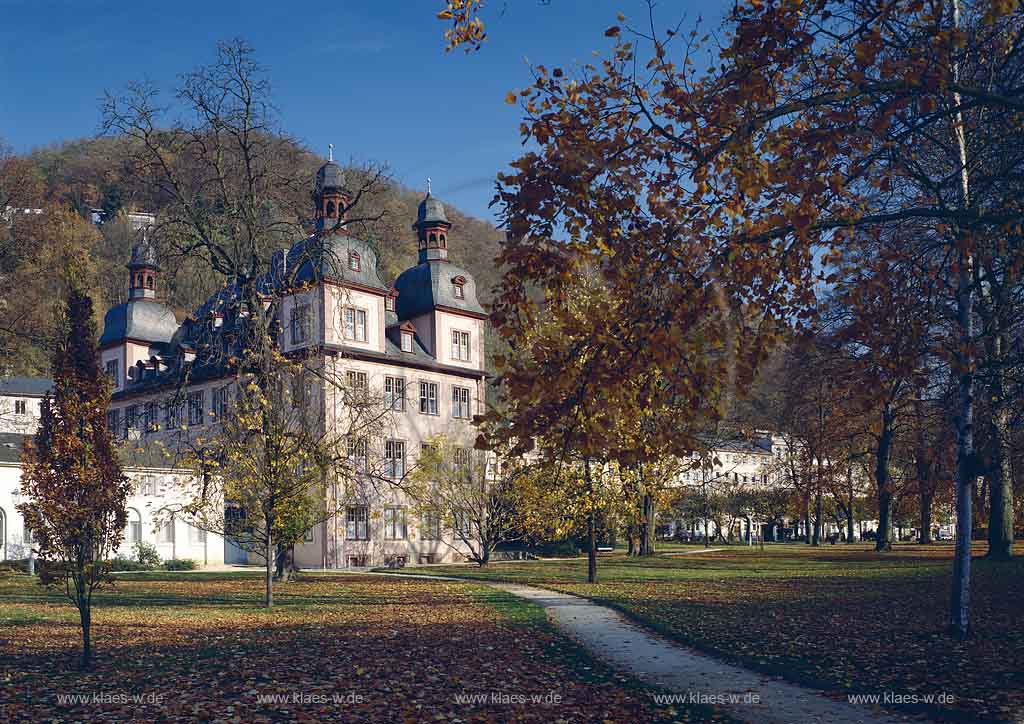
444 241
149 282
133 533
433 239
330 209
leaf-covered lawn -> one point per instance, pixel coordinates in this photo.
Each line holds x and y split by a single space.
841 618
349 648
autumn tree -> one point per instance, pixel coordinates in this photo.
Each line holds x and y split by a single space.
472 493
72 479
748 175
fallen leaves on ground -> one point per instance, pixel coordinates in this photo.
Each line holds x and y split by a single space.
348 648
840 618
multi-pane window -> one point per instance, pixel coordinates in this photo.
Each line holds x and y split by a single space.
394 458
428 398
430 526
172 413
389 304
458 290
461 462
131 419
113 421
307 537
355 323
357 380
394 523
460 402
111 369
221 397
149 421
300 323
195 408
353 261
167 531
358 454
20 407
357 522
407 341
135 531
461 523
460 345
394 392
147 486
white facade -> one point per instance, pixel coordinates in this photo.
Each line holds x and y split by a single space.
347 324
154 492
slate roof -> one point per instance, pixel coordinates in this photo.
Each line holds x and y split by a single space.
330 176
143 319
431 211
429 284
25 386
11 444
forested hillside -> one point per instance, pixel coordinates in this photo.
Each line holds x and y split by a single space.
92 174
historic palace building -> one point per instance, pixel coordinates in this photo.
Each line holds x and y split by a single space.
417 345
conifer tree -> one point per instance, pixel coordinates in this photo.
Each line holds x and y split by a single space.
74 487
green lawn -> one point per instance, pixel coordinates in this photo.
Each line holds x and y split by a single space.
837 617
353 648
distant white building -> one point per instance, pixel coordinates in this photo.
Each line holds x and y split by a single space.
155 489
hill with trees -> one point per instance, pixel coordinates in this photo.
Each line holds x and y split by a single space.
91 175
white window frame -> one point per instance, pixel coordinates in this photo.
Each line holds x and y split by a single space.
394 392
354 323
394 458
430 525
461 405
461 350
357 520
196 402
429 392
300 323
406 341
394 523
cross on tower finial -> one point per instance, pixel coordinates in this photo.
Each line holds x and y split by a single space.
428 186
330 151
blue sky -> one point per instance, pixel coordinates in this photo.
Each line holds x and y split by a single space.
370 77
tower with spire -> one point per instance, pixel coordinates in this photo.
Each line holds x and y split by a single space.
143 270
431 229
330 197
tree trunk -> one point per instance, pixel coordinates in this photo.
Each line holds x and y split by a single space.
591 527
925 534
883 539
268 600
817 519
1000 521
647 529
807 518
85 616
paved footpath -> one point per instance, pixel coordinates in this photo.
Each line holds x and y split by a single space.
692 676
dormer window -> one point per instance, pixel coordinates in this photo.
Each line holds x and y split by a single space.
458 287
353 261
407 341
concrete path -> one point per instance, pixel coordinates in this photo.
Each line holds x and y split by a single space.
690 676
